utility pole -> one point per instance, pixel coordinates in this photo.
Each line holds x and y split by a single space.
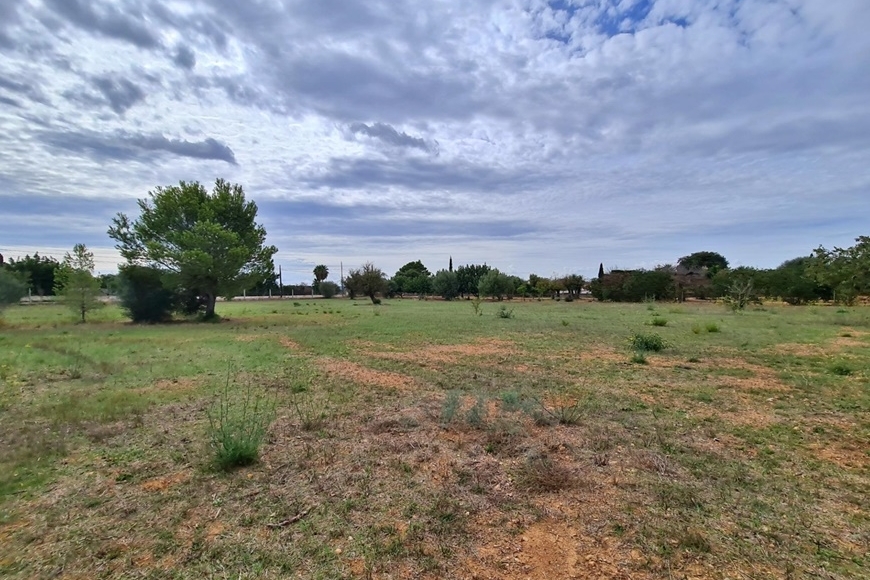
341 265
280 281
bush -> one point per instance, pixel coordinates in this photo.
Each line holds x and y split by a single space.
647 342
237 428
659 322
712 327
12 289
503 312
328 289
143 294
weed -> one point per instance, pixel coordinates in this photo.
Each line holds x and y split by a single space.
450 407
503 312
656 321
539 472
638 358
312 413
841 369
694 541
712 327
476 415
696 329
237 429
647 342
563 414
564 323
511 401
475 305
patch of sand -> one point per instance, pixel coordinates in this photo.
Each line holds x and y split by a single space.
165 482
356 373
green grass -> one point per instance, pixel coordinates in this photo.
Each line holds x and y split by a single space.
409 437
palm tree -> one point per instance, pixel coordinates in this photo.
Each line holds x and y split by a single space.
320 274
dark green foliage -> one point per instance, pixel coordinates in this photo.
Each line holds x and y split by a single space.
845 270
633 286
446 284
494 284
503 312
12 288
647 342
469 278
37 272
793 283
328 289
210 241
711 260
145 297
412 278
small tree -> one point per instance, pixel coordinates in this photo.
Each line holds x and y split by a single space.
713 261
321 272
328 289
495 284
76 284
368 281
446 284
12 288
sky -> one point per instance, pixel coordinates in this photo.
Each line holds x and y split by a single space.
536 136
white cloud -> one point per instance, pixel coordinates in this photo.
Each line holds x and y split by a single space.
567 133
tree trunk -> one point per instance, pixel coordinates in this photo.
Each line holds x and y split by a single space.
210 300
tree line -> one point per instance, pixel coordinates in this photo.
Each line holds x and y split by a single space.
189 246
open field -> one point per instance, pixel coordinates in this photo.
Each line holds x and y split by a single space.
417 440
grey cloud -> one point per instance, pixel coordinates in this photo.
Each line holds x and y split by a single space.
10 102
423 175
390 135
120 93
131 146
184 57
29 90
125 22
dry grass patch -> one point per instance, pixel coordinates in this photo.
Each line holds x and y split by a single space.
362 375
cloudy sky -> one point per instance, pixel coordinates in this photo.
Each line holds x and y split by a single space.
537 136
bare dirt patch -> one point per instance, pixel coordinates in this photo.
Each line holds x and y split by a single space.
844 456
291 344
359 374
165 482
437 354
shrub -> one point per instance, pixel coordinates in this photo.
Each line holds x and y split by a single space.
712 327
503 312
656 321
647 342
475 305
328 289
450 407
12 289
237 428
143 294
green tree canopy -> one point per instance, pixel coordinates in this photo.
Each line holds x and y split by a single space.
495 284
710 260
446 284
366 281
845 270
321 272
469 278
412 278
209 241
36 271
12 288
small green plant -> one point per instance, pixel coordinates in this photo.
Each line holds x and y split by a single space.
475 305
638 358
511 401
450 407
312 413
841 369
647 342
564 323
696 329
238 427
712 327
562 413
503 312
476 415
656 321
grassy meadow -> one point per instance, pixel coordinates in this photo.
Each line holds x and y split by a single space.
417 439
